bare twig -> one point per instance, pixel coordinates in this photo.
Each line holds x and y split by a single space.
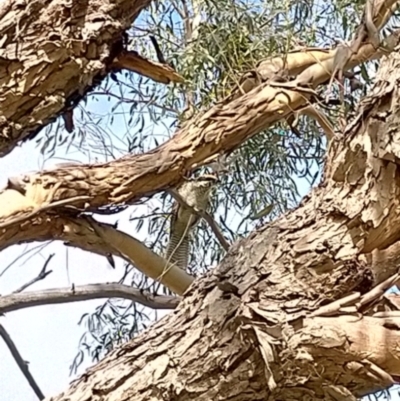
12 302
206 216
34 251
41 276
159 53
23 365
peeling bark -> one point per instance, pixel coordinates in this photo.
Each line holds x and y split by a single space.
132 61
295 311
52 53
264 340
223 128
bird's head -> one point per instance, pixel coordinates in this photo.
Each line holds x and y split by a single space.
206 181
196 191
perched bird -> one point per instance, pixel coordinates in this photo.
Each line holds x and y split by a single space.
195 193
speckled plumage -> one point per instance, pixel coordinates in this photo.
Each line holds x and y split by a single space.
195 193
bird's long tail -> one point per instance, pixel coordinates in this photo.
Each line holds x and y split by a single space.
178 247
178 251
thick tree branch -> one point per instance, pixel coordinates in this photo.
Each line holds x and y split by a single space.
89 232
261 341
55 71
13 302
220 130
104 239
56 92
312 59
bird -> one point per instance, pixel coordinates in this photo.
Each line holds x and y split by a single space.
195 193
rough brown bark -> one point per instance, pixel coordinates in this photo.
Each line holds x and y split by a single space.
221 129
49 200
274 337
52 53
272 333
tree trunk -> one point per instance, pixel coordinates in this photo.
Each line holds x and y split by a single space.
264 324
52 52
270 322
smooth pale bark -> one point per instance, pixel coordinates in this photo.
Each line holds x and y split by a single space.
265 336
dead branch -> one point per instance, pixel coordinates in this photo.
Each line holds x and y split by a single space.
23 365
159 72
41 276
13 302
